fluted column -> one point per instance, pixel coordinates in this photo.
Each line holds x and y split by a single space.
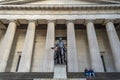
26 57
72 58
114 43
95 57
6 45
49 53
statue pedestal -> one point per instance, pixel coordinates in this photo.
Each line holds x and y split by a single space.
60 71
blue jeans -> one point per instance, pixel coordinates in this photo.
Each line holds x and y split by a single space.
92 74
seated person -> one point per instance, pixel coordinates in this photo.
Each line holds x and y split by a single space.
92 73
89 73
86 71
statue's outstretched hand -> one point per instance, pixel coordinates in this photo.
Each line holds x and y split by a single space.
52 47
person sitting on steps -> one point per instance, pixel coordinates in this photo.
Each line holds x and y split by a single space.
86 71
89 73
92 73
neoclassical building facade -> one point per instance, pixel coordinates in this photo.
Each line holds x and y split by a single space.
90 30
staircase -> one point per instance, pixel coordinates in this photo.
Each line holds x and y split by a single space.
99 76
59 74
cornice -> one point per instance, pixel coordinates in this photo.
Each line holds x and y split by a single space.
14 2
59 7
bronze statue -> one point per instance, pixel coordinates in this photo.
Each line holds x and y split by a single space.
60 53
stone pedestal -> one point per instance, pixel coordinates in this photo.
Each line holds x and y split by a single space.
60 72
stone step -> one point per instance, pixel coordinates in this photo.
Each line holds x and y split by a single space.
62 79
25 75
99 75
39 75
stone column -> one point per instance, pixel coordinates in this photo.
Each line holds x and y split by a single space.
49 53
26 57
95 57
6 45
72 58
114 43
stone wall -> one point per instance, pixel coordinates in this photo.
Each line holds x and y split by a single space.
39 51
105 49
82 49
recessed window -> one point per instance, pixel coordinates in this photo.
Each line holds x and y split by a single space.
19 57
103 61
18 63
63 38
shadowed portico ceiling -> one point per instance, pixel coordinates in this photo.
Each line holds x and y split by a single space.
5 2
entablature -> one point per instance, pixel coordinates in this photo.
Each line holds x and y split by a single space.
61 21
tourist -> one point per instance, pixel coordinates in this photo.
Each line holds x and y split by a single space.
86 71
91 73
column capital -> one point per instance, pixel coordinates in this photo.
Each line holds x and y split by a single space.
67 21
34 21
89 20
12 20
15 21
108 20
51 20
